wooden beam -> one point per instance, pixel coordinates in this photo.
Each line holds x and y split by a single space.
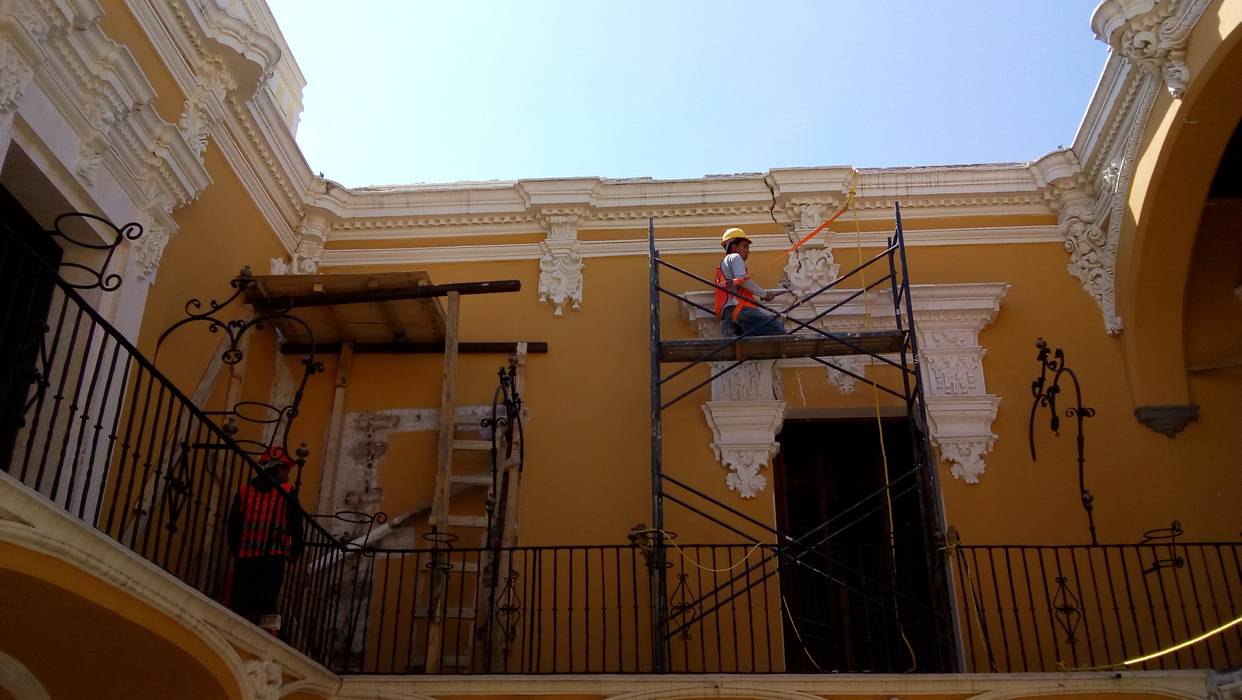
773 347
336 425
535 347
369 296
444 473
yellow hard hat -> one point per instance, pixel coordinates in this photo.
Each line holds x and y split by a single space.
732 235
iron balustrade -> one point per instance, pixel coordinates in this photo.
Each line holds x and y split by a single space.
1045 608
89 423
586 609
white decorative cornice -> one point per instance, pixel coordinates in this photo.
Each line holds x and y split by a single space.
1092 248
109 129
312 234
1152 34
673 246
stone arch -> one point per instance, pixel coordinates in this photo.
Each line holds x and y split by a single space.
74 572
18 681
1184 141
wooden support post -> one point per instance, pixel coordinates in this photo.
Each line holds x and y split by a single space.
336 425
444 473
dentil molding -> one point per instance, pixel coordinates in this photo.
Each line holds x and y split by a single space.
948 317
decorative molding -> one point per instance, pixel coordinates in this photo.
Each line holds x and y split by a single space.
668 246
264 678
560 276
1183 685
853 363
89 159
811 266
149 249
1167 420
1151 34
312 234
949 318
560 265
961 428
19 682
15 74
744 439
1093 251
57 534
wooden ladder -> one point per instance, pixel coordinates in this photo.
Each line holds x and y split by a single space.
445 523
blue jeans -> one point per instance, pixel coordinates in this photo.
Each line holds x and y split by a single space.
750 318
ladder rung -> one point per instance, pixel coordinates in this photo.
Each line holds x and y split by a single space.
449 613
466 521
471 479
472 444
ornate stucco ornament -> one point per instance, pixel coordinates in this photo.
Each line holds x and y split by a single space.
745 414
1092 248
560 265
811 266
1152 34
264 678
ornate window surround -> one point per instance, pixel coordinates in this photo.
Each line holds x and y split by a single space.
746 413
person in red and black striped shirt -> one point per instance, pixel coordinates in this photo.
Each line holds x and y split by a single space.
264 532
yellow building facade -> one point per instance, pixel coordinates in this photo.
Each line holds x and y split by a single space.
886 510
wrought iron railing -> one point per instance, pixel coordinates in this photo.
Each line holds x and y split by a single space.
90 423
746 609
1045 608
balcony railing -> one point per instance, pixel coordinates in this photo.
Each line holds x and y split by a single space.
737 609
94 427
90 423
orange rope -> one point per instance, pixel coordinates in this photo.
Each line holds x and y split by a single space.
822 226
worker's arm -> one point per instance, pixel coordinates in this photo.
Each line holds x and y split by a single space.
735 269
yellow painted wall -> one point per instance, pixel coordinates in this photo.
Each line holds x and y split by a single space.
587 477
106 633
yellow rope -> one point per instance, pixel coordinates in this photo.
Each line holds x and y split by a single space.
1167 650
671 538
879 424
951 548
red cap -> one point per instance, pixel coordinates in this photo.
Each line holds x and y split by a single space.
273 454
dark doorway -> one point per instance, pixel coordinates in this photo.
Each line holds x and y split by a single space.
858 598
27 258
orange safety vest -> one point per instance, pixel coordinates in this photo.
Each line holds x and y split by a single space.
265 529
735 285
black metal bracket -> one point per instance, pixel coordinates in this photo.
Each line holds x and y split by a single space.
277 419
96 278
1046 388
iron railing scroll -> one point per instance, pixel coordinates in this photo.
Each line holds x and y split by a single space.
273 422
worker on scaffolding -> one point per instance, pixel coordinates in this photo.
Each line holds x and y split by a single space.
736 307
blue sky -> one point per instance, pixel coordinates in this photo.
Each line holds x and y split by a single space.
405 91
